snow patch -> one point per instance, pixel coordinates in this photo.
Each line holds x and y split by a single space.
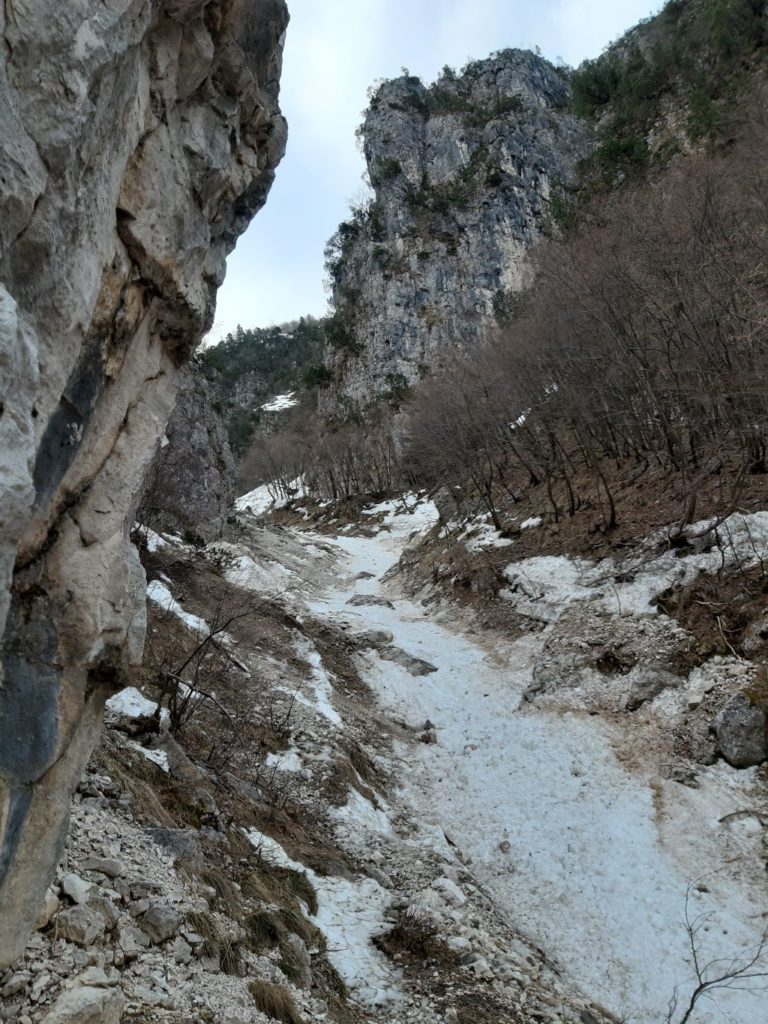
359 814
350 914
531 523
158 757
281 402
131 703
160 595
319 680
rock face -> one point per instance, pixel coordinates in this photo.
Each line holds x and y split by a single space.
191 484
137 139
463 174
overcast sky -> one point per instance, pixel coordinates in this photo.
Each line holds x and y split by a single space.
334 51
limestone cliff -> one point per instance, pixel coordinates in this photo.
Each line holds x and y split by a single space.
137 139
463 173
191 484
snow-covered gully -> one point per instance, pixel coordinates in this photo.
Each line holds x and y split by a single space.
581 847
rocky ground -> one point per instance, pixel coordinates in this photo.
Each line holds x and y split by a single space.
361 801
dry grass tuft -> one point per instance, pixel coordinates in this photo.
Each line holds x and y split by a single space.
415 938
275 1001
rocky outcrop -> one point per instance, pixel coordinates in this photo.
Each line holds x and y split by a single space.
191 484
137 139
464 173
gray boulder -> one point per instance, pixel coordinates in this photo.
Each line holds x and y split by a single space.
82 925
87 1004
742 732
161 922
416 666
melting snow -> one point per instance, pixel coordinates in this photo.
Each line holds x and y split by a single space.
160 594
158 757
592 872
285 761
269 496
529 524
131 703
350 914
318 680
281 402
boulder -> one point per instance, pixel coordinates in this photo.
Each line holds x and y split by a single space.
161 922
104 865
416 666
369 600
742 732
183 843
81 924
76 888
87 1004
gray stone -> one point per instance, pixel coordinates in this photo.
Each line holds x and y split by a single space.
374 638
742 733
369 600
645 684
131 940
87 1005
81 924
161 922
76 888
47 911
183 843
104 865
416 666
105 908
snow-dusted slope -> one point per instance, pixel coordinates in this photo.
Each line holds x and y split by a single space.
566 818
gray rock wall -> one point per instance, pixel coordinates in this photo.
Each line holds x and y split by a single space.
137 139
191 483
463 173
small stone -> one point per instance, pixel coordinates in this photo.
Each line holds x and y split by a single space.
181 950
95 977
132 940
81 924
105 865
15 984
106 908
76 888
48 909
87 1005
161 922
43 981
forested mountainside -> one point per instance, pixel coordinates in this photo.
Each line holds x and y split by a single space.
249 367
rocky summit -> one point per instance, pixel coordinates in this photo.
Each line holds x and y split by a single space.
463 173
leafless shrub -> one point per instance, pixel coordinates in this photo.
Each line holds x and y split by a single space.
743 972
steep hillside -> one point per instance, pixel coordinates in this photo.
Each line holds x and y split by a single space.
463 174
252 366
669 84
